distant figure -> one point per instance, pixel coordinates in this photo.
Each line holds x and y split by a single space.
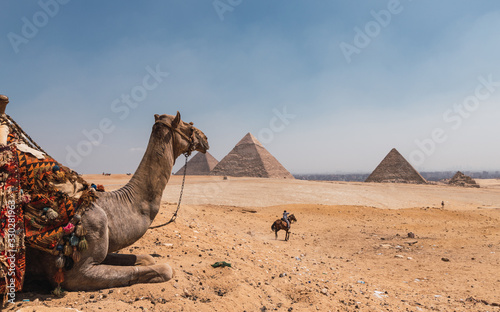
285 218
280 224
442 204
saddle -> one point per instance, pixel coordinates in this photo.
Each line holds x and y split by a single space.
41 204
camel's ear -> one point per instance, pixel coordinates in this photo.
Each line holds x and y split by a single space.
157 117
177 120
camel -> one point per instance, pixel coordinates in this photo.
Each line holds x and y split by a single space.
119 218
280 224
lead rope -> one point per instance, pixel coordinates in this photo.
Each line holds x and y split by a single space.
174 216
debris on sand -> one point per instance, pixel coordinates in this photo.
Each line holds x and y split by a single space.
221 264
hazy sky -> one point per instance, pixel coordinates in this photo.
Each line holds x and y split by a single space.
326 86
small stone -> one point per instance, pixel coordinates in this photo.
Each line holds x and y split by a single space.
411 235
324 291
445 259
282 274
399 256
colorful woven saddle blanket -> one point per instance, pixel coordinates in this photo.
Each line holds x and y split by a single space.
41 206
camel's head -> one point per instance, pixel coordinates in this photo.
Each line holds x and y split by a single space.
187 138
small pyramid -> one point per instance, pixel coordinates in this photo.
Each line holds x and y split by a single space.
461 179
200 164
249 158
395 168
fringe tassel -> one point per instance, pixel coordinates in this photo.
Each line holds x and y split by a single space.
58 292
82 245
59 277
76 254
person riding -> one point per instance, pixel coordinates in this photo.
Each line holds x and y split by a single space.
285 218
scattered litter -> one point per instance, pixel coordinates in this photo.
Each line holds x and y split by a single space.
221 264
399 256
379 294
361 282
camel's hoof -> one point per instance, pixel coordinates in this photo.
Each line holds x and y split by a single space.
164 271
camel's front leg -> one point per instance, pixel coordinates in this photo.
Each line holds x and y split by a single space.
98 276
128 260
97 269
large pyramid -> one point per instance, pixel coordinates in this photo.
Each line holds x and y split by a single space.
200 164
249 158
395 168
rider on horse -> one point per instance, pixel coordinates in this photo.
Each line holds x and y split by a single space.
285 218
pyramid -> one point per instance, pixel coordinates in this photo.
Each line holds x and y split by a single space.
395 168
249 158
461 179
200 164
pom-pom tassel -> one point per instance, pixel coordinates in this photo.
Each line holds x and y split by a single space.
76 255
51 214
59 277
82 245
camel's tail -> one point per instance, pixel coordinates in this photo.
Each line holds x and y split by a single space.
272 227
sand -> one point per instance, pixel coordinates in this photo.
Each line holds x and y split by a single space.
349 250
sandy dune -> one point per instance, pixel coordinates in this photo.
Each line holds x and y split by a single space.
349 250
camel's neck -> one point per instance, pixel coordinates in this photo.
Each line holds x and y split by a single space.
153 173
132 209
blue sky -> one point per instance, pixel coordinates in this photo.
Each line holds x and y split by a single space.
326 86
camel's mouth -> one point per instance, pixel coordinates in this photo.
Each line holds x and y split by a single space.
201 144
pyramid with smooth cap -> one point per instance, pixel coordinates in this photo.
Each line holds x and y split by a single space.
249 158
395 168
200 164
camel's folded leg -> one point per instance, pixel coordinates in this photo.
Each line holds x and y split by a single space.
98 276
128 260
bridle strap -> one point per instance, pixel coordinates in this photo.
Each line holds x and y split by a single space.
190 140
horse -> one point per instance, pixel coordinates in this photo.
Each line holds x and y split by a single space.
280 224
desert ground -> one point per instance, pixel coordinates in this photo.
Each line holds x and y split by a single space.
349 251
